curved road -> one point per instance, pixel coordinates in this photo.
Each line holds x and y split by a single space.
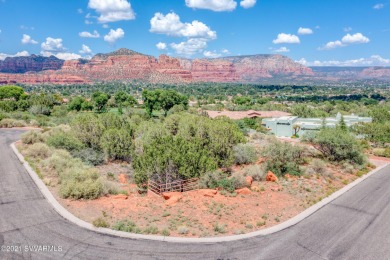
354 226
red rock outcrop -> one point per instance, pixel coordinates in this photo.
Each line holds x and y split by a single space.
271 177
254 67
41 78
375 72
127 65
30 63
214 71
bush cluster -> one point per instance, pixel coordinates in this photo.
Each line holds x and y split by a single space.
338 145
244 154
283 158
183 146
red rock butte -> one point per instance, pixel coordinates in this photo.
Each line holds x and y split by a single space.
127 65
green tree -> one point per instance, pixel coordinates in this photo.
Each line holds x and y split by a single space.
100 100
11 92
76 103
338 145
169 98
162 99
117 144
89 129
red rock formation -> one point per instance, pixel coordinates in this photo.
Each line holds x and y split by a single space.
40 78
126 65
375 72
30 63
214 71
271 177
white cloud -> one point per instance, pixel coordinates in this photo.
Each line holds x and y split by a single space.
304 31
286 38
225 51
332 45
374 60
355 38
105 26
161 46
114 35
80 11
214 5
19 54
211 54
28 40
302 61
171 25
62 55
190 47
23 27
347 29
378 6
112 10
85 49
282 49
247 3
88 22
52 45
348 39
95 34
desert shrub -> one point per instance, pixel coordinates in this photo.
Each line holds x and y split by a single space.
32 137
227 184
386 152
244 153
80 184
338 145
221 180
3 115
184 146
117 144
151 230
8 105
219 228
110 187
88 129
257 172
89 156
126 226
283 158
239 180
60 161
210 179
183 230
38 150
100 222
317 166
9 123
348 168
64 140
39 110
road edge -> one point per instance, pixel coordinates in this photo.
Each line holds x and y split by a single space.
291 222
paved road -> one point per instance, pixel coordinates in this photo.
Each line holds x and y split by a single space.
354 226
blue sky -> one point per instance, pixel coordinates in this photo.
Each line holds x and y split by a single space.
327 32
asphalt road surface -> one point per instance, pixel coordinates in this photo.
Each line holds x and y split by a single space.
354 226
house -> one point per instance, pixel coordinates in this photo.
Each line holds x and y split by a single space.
237 115
284 126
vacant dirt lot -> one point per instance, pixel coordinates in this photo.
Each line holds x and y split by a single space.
200 215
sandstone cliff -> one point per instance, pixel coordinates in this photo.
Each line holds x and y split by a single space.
30 63
127 65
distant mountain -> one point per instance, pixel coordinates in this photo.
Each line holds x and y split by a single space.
128 65
30 63
352 73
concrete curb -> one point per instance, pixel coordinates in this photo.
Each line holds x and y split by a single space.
291 222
